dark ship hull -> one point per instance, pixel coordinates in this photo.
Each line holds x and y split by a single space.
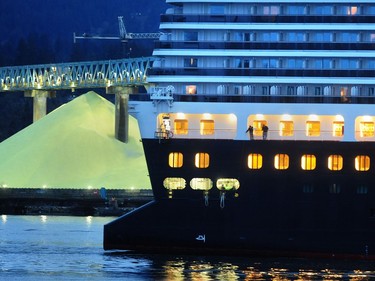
290 212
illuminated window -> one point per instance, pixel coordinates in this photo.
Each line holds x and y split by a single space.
335 162
207 127
174 183
366 129
227 184
202 160
201 184
255 161
175 159
286 128
313 128
308 162
338 128
180 127
281 161
362 163
348 10
258 124
191 89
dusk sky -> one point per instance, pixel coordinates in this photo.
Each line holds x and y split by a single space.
60 18
41 31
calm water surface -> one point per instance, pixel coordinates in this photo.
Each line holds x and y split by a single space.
70 248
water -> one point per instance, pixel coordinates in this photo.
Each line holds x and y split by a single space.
70 248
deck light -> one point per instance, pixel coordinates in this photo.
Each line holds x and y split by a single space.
180 115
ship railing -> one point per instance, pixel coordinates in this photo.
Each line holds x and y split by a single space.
241 135
161 93
163 134
299 135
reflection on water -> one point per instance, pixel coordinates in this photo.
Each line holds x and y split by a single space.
70 248
232 268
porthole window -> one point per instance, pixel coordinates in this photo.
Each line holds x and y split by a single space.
308 162
227 184
255 161
335 162
175 159
308 188
174 183
362 163
201 184
362 189
281 161
334 188
202 160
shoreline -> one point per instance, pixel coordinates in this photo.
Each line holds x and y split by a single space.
71 202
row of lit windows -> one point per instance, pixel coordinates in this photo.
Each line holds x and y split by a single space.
205 184
335 162
298 36
287 90
288 63
296 9
226 184
286 128
287 36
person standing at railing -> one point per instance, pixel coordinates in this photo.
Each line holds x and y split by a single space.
265 131
250 129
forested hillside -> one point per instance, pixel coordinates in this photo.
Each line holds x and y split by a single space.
41 31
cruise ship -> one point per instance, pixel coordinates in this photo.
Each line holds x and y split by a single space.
258 131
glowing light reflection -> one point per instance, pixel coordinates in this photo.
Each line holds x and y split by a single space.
89 220
180 115
232 117
43 218
339 118
286 117
367 118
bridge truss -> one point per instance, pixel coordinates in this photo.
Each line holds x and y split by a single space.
63 76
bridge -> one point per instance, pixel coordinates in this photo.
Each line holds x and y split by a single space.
75 75
119 77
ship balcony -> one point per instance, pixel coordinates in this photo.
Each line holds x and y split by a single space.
328 19
264 45
271 72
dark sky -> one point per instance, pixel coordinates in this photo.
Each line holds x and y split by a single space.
31 28
58 19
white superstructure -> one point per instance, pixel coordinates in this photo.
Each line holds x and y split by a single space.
304 68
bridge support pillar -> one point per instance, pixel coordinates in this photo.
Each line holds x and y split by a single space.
40 102
121 111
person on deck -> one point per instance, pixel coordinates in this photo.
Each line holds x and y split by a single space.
250 129
265 131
